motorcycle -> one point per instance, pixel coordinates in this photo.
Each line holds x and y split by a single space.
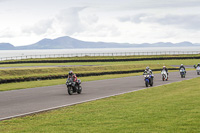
73 87
182 73
164 75
198 70
148 78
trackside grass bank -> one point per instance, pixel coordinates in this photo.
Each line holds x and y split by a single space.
147 62
32 74
168 108
28 72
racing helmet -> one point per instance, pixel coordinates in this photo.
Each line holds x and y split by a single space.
70 73
164 67
147 68
181 64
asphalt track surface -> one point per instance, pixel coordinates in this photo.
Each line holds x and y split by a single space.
186 66
28 101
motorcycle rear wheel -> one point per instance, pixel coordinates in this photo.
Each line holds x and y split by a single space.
151 84
79 90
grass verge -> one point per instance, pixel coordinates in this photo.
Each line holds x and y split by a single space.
161 62
168 108
39 72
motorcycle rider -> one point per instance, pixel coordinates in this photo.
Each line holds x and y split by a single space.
195 66
148 70
165 68
73 76
198 65
182 66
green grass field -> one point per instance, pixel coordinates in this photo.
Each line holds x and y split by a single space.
104 57
169 108
162 62
32 72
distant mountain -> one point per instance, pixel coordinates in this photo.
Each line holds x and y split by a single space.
71 43
168 44
6 46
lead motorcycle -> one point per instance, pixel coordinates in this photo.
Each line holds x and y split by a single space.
182 73
164 75
73 87
148 79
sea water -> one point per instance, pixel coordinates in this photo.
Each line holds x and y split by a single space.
14 53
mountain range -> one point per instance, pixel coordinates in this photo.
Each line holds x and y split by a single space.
71 43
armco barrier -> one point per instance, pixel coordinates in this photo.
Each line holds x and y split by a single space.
100 60
49 77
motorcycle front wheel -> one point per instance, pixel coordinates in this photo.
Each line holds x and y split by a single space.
70 90
146 83
163 78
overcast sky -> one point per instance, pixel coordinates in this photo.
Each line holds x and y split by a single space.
24 22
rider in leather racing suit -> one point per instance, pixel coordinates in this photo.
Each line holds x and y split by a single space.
148 70
198 65
182 67
165 68
73 76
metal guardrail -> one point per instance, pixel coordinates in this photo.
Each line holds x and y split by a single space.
99 54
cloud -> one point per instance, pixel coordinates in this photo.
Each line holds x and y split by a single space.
101 31
180 21
89 19
67 22
135 5
70 21
183 21
135 19
39 28
7 33
2 0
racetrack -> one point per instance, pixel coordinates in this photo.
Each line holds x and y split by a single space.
27 101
